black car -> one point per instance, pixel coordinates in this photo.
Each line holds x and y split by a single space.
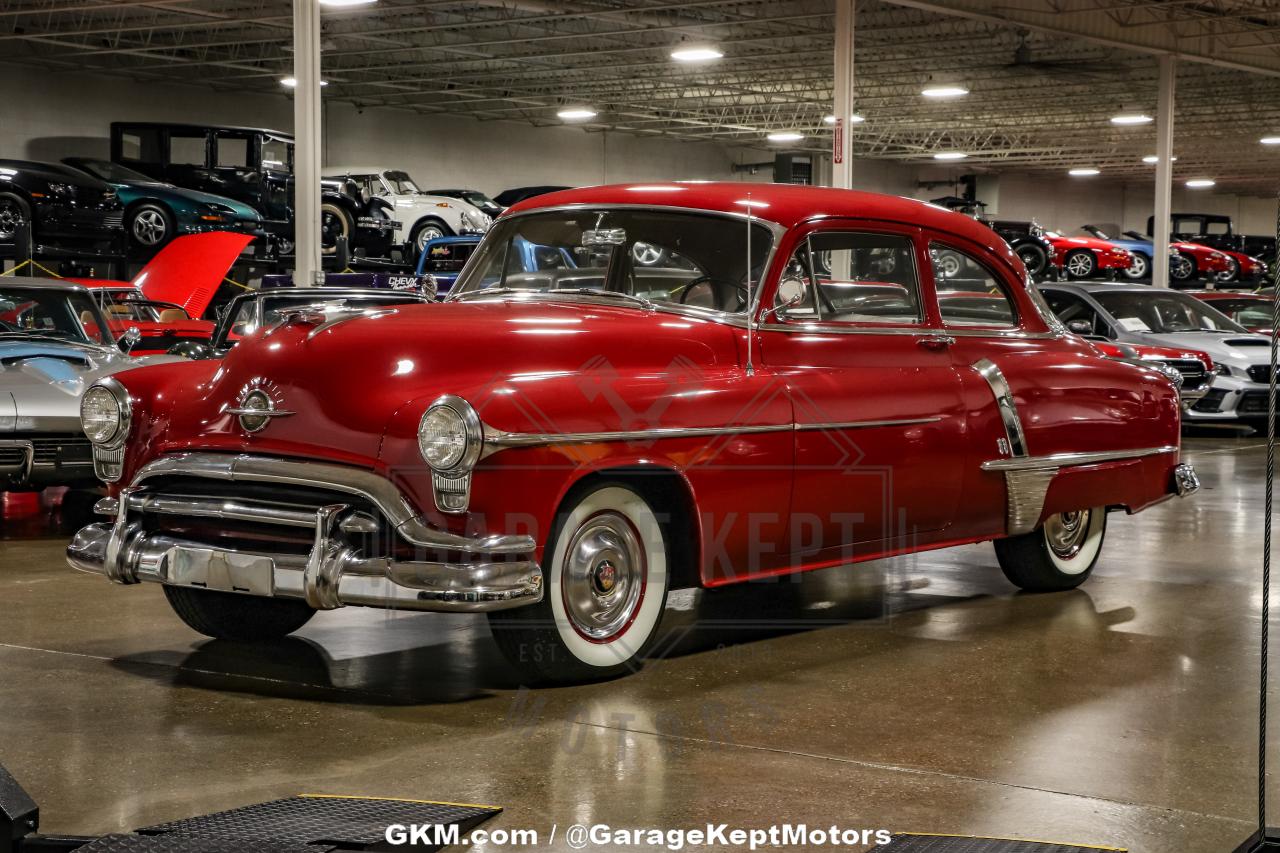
254 166
506 198
248 312
65 210
1028 241
475 198
1218 231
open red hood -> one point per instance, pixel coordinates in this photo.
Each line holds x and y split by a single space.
187 272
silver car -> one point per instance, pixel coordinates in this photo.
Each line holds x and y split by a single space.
54 343
1140 314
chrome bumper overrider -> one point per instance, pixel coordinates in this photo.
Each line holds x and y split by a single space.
492 573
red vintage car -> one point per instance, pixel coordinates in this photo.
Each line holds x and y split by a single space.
1085 257
776 387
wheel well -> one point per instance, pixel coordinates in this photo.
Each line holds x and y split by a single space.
672 502
430 218
138 202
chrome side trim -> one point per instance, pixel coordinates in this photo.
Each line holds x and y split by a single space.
373 487
1026 489
1066 460
806 328
496 440
260 413
1005 404
225 510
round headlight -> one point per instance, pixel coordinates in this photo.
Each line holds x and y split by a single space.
450 435
101 415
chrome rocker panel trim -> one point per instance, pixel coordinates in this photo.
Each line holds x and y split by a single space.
333 574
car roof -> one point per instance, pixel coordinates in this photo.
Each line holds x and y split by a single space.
356 170
784 204
179 125
11 281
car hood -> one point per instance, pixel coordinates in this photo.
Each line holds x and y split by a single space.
347 375
1085 243
1237 350
179 196
43 380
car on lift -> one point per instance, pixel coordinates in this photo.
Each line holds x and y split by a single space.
1187 261
1088 257
406 460
253 166
63 210
54 342
1251 310
1026 238
259 309
1218 231
422 216
475 198
506 198
155 212
1140 314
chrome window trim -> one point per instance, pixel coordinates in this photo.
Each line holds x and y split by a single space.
807 327
731 318
1068 460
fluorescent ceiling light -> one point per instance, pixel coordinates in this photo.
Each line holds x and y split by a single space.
950 155
1200 183
1132 118
949 90
696 53
1083 172
576 113
1154 158
785 136
1270 140
340 3
853 119
292 82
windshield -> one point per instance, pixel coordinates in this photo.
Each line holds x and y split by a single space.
1163 313
114 172
1250 313
401 183
478 199
40 313
692 259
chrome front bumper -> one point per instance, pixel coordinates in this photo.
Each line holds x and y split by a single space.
464 574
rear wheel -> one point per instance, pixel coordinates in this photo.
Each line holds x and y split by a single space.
1080 264
426 231
14 212
1181 268
1034 258
1139 267
231 616
606 587
1059 554
334 223
150 226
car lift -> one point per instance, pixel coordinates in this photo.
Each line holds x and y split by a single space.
313 823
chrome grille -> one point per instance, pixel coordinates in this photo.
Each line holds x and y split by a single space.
1192 370
13 456
61 449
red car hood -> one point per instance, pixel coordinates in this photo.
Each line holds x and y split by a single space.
1068 243
1151 351
345 379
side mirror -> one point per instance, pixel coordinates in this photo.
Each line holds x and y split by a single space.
129 340
1080 327
792 291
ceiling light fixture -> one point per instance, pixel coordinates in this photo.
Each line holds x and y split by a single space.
1083 172
785 136
338 4
948 90
1200 183
950 155
1270 140
292 82
1152 159
853 119
1128 118
576 113
696 53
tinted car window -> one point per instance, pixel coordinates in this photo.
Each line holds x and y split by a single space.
233 152
50 313
1163 313
143 144
187 150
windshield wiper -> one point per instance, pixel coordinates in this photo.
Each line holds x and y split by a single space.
494 291
596 291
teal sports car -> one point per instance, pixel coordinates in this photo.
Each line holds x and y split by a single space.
156 212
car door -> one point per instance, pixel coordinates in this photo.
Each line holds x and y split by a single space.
880 431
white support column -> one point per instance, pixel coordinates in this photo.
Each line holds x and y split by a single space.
306 134
1164 173
842 148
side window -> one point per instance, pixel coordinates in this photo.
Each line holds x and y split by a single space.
969 293
233 152
852 277
1186 227
186 150
1078 315
142 145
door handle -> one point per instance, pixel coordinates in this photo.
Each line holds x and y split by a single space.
936 342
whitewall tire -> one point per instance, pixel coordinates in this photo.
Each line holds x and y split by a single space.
1059 554
606 576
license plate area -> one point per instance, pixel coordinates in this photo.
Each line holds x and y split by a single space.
225 571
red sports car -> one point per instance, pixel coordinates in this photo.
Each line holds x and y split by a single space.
1086 257
574 432
1196 261
1242 268
1251 310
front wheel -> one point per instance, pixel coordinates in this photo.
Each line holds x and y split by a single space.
1057 555
606 587
1181 268
1231 273
1139 267
150 227
334 223
1034 258
426 231
231 616
1079 264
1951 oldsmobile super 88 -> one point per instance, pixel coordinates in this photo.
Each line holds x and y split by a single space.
631 389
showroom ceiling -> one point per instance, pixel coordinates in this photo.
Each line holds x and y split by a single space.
1042 86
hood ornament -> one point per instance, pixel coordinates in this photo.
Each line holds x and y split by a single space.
257 404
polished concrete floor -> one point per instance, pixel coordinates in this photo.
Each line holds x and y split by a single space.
918 694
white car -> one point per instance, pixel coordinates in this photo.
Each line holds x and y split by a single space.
422 217
1141 314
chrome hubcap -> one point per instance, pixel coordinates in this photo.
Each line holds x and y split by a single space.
603 578
1030 259
1138 268
149 227
10 219
1079 265
1066 532
645 254
1230 272
1179 267
428 234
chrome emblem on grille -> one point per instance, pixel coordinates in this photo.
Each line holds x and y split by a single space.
256 407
